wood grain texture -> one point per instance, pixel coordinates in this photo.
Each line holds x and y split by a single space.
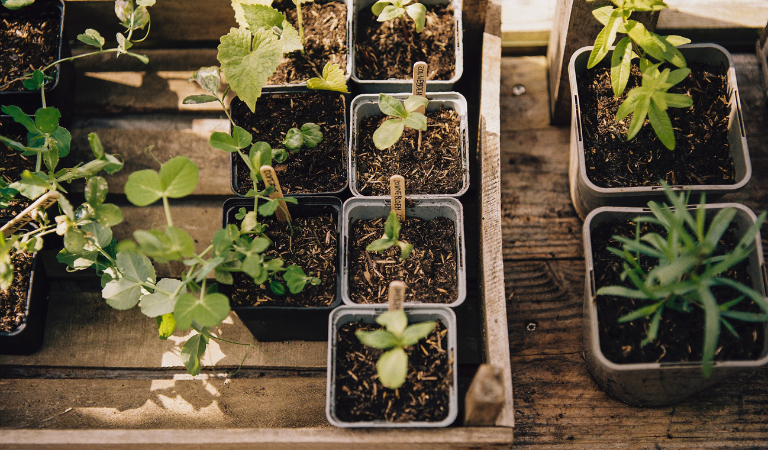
491 263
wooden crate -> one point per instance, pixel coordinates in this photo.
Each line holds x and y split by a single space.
104 380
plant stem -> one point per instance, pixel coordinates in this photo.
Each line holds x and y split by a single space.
167 209
301 26
405 30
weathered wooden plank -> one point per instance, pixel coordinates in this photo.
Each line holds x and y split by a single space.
491 263
83 331
266 402
260 438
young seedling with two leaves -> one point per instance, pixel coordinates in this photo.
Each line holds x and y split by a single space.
653 100
689 267
386 10
404 114
392 366
391 238
132 17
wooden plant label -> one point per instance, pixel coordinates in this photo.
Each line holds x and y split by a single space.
396 296
44 202
420 82
397 195
270 179
485 397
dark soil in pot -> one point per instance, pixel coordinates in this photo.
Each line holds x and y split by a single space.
13 301
382 51
430 271
702 151
12 164
325 40
29 38
681 335
424 396
313 170
437 169
313 246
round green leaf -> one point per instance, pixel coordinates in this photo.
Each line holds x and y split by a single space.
96 191
393 368
207 311
47 119
388 133
179 177
391 106
380 339
144 187
108 214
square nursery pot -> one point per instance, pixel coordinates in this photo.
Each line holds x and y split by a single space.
27 337
657 384
366 105
284 323
326 162
404 85
359 314
345 66
426 209
586 196
61 92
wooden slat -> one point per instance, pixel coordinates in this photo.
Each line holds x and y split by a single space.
492 267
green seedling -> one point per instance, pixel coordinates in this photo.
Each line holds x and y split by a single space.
259 153
404 115
392 366
332 79
131 17
640 44
689 267
386 10
651 99
391 237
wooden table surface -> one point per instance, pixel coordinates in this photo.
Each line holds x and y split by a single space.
556 402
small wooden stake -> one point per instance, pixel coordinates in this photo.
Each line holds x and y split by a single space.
25 216
396 296
397 195
420 88
270 179
485 397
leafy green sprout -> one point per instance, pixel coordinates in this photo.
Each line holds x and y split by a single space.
641 44
386 10
131 17
392 366
687 270
403 115
391 238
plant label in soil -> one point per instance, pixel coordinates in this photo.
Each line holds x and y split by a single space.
396 296
420 82
270 179
397 194
28 214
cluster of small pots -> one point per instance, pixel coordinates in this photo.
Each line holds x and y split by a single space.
656 384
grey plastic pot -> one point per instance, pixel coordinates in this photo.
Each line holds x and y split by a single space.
425 209
349 314
657 384
366 105
586 196
348 67
396 85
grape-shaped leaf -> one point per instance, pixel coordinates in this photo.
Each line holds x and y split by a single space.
261 16
333 79
248 61
237 5
290 40
207 310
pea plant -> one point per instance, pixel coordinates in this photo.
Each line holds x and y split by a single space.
132 18
391 238
386 10
258 153
652 50
392 366
403 115
689 266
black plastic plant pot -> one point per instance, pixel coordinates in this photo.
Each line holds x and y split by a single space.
337 151
285 323
60 92
27 337
659 383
